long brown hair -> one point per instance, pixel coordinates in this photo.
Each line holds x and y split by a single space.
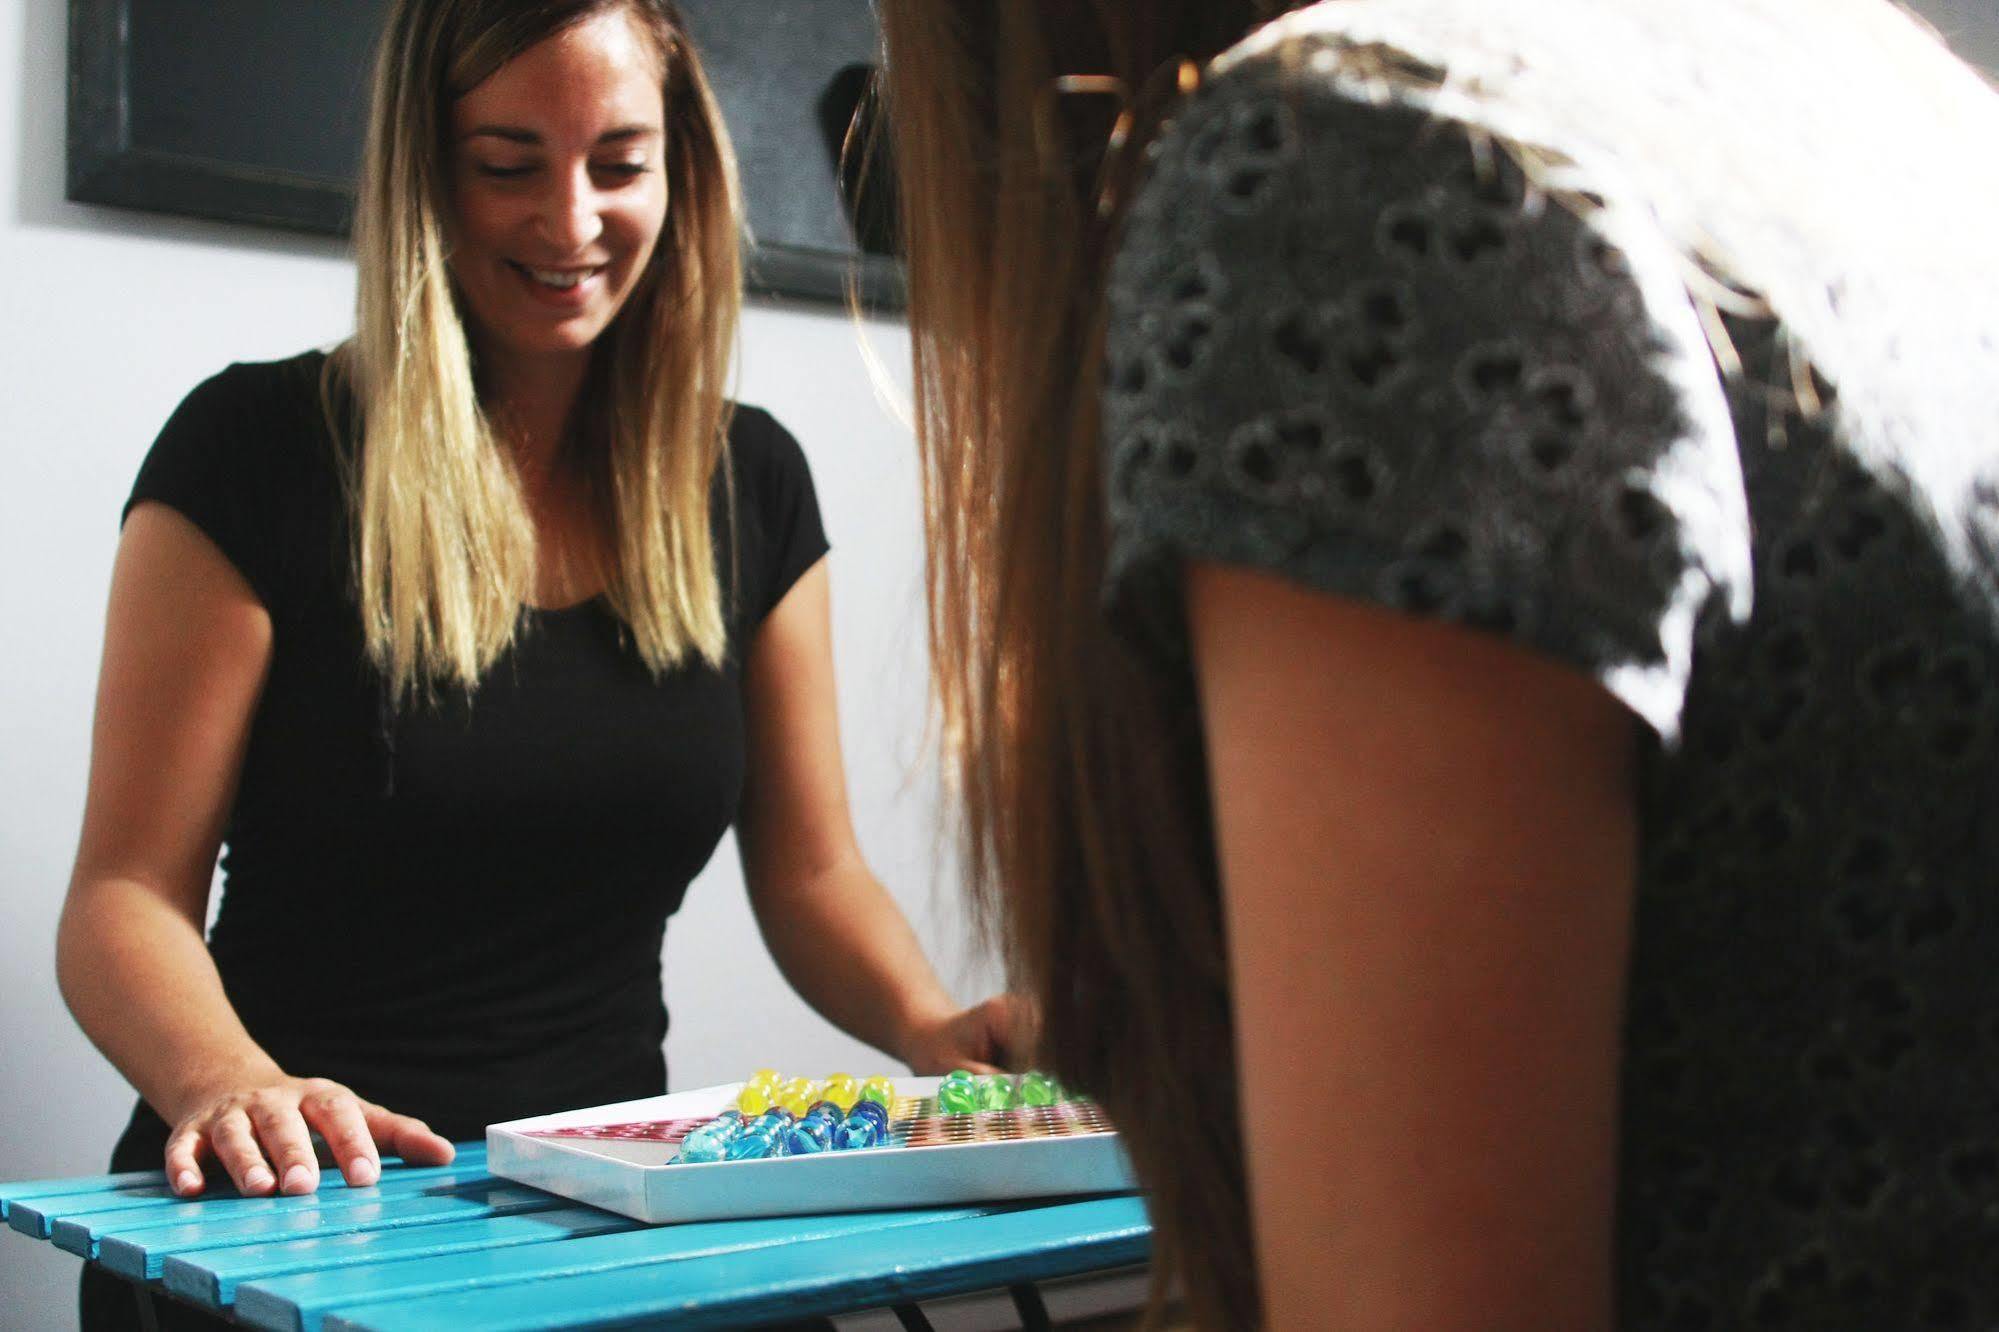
1016 128
444 547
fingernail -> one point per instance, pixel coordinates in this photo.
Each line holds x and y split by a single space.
362 1172
298 1180
186 1182
257 1178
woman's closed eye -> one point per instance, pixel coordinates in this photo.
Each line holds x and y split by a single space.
611 170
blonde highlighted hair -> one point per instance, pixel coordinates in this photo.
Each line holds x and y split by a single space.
444 547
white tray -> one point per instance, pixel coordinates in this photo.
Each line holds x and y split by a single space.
633 1177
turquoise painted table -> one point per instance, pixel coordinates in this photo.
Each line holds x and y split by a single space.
453 1247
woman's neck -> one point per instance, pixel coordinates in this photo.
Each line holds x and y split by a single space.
530 401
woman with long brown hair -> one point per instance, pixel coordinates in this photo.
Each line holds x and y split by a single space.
470 640
1465 550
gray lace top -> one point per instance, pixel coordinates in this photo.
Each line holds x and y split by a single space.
1342 351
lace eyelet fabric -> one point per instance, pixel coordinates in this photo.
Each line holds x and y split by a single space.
1346 347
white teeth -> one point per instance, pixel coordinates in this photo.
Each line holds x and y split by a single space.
558 278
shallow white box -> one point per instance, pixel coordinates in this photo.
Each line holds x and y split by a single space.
633 1177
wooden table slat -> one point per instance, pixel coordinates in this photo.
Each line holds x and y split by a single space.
14 1194
300 1302
793 1280
81 1232
139 1254
210 1277
35 1206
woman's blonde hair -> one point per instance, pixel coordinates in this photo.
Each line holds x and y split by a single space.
444 547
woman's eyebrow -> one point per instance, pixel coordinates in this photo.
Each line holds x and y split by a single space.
517 134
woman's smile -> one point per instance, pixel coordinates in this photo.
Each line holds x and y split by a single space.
561 288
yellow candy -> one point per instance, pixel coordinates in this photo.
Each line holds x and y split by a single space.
843 1090
754 1099
798 1095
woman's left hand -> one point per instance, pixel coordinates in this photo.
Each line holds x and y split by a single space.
988 1037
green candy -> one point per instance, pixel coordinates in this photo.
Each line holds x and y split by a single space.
957 1097
996 1092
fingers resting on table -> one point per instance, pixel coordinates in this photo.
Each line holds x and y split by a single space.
262 1137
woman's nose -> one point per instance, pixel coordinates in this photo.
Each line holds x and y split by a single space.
569 217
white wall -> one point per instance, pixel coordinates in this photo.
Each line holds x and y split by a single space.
106 319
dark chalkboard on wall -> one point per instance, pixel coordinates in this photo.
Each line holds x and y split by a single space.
253 111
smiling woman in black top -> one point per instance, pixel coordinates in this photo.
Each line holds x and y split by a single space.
470 641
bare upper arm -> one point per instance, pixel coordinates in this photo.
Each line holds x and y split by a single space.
795 821
187 645
1426 839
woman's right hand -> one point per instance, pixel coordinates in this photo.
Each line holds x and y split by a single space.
260 1130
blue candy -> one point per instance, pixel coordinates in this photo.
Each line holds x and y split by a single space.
811 1134
711 1140
700 1151
856 1134
767 1137
749 1147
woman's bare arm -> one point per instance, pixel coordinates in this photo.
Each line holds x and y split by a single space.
1426 840
187 646
837 935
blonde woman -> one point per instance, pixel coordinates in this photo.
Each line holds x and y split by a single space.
470 641
1466 578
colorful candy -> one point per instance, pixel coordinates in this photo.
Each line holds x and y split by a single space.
704 1152
995 1092
856 1133
958 1093
710 1142
728 1124
774 1116
814 1133
843 1089
767 1137
873 1112
797 1095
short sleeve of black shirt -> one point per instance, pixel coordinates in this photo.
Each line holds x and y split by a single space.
246 458
780 534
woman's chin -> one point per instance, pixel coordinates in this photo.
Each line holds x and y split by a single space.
568 338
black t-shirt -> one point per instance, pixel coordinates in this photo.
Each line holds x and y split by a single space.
456 908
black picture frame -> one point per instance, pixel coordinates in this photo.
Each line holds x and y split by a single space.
136 117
